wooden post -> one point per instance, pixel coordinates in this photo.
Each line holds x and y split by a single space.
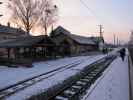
45 51
23 54
55 51
31 55
8 52
17 54
35 53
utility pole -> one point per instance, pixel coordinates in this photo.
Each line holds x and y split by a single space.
114 39
101 30
131 36
117 41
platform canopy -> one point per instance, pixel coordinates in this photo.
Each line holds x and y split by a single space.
28 41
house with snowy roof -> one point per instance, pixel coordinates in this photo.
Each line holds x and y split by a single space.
74 44
25 50
60 43
8 32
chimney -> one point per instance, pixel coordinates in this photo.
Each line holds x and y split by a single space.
8 24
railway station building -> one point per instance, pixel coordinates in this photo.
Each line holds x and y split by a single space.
74 44
60 43
9 32
27 49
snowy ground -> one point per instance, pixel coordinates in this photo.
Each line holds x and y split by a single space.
113 84
10 76
52 81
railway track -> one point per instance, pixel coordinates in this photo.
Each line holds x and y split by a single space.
76 90
77 86
7 91
69 91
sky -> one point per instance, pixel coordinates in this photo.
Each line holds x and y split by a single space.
116 16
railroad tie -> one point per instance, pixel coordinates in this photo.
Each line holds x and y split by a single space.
60 98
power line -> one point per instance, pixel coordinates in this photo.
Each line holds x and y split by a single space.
100 26
89 9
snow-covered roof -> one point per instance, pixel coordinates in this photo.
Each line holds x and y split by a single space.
59 30
11 30
26 41
82 39
79 39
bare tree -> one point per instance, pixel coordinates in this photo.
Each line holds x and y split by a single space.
49 14
29 13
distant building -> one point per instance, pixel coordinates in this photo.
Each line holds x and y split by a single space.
100 42
131 39
8 32
74 44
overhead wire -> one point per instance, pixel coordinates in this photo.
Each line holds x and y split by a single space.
90 11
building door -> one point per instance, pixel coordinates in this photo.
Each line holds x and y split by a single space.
65 48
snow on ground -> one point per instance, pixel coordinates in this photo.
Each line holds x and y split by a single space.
42 86
51 81
113 84
9 76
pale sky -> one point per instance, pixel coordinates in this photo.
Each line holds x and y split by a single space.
115 15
